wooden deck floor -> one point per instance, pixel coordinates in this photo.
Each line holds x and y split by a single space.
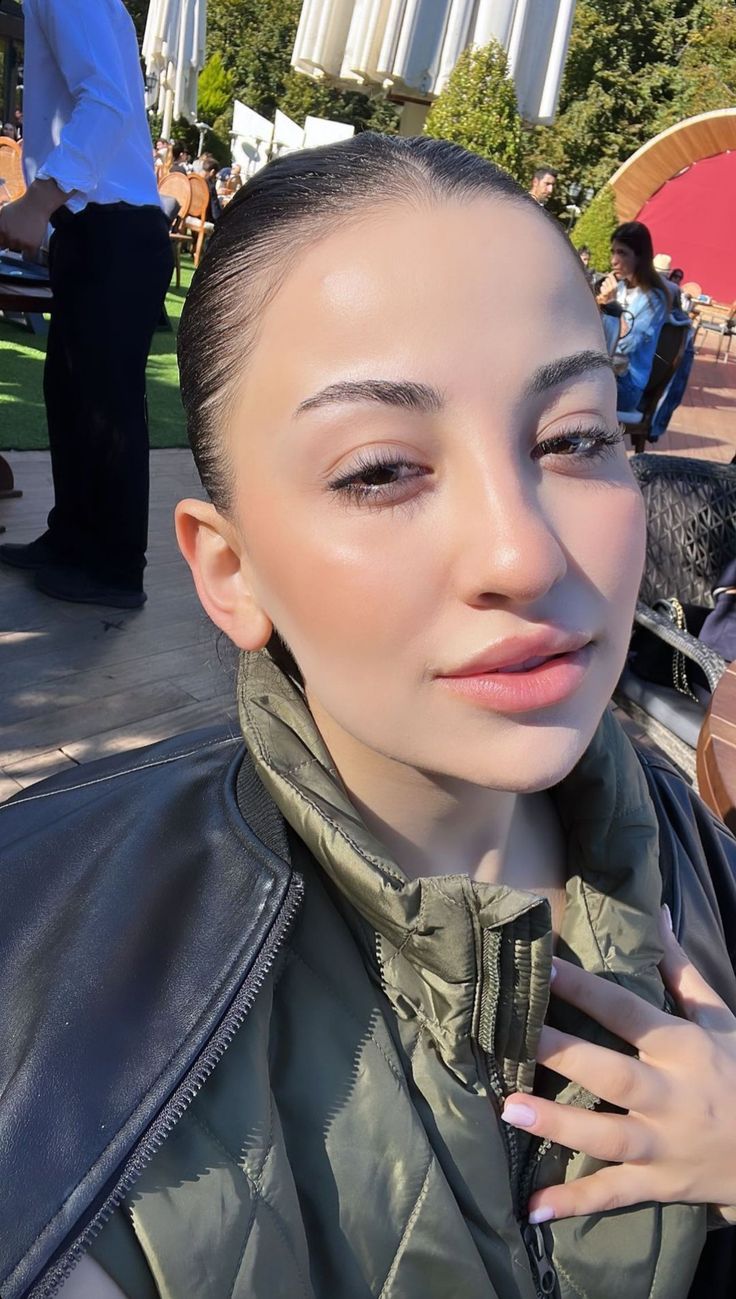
77 683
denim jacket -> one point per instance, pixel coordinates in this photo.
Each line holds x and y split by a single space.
647 312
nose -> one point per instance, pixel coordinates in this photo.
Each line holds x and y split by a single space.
508 550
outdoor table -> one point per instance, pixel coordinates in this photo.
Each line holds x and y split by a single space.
24 286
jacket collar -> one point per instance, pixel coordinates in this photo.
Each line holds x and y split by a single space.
614 885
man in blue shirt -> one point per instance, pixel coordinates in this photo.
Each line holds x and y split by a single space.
89 167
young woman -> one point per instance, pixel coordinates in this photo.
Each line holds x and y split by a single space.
282 1016
646 300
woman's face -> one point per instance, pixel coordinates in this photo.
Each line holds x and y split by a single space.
430 492
623 260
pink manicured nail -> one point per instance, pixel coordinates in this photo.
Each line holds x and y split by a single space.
668 918
553 973
541 1215
520 1116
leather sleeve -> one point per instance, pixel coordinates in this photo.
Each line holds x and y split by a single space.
698 863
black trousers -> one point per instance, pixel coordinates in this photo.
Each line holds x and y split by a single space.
110 267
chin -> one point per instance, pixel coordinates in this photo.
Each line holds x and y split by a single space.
520 756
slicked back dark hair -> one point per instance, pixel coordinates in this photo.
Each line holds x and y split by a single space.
288 205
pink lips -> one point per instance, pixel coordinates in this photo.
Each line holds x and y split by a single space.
523 673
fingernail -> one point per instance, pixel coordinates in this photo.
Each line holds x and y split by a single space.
541 1215
668 918
520 1116
553 973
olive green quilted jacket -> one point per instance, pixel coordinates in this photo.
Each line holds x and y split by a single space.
348 1146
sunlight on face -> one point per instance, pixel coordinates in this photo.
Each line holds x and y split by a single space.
414 497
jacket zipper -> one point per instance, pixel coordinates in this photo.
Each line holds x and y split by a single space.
542 1268
182 1098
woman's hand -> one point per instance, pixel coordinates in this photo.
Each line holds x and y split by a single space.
678 1140
607 289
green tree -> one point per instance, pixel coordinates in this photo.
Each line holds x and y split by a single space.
633 68
595 228
255 39
478 108
705 77
214 89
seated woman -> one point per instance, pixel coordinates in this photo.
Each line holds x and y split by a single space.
276 1009
646 300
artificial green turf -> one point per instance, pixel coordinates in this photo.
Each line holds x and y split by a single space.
22 414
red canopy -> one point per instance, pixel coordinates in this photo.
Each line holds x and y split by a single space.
693 218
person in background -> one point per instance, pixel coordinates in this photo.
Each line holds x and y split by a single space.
180 159
87 158
675 390
162 158
647 300
9 131
199 164
18 120
209 175
676 277
543 185
229 181
584 255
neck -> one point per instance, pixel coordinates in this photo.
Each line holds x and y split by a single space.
436 825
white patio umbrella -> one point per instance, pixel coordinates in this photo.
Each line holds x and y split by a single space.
409 47
173 54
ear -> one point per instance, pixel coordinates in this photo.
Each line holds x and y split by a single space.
214 553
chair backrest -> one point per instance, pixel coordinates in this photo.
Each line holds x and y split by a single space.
690 508
670 347
200 199
176 185
11 169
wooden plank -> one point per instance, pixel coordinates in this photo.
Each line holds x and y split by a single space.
57 728
201 675
70 652
27 770
8 787
221 711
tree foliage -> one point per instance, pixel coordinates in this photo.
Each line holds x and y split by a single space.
478 108
634 68
214 89
595 228
254 40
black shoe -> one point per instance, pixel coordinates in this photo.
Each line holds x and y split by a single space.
37 554
78 587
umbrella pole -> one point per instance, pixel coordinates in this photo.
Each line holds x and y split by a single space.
413 117
168 114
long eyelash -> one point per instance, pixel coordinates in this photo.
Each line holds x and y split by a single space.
352 490
602 439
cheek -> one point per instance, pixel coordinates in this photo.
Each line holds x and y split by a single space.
605 535
335 581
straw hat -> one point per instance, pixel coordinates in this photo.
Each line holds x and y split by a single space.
663 263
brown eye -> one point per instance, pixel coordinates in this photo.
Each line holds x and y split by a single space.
580 444
376 479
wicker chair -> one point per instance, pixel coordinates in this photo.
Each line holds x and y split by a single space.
691 536
175 185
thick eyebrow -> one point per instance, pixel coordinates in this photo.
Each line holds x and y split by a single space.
426 400
564 369
404 393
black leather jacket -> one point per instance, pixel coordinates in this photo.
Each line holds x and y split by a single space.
158 887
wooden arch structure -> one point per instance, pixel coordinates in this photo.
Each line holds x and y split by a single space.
668 154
